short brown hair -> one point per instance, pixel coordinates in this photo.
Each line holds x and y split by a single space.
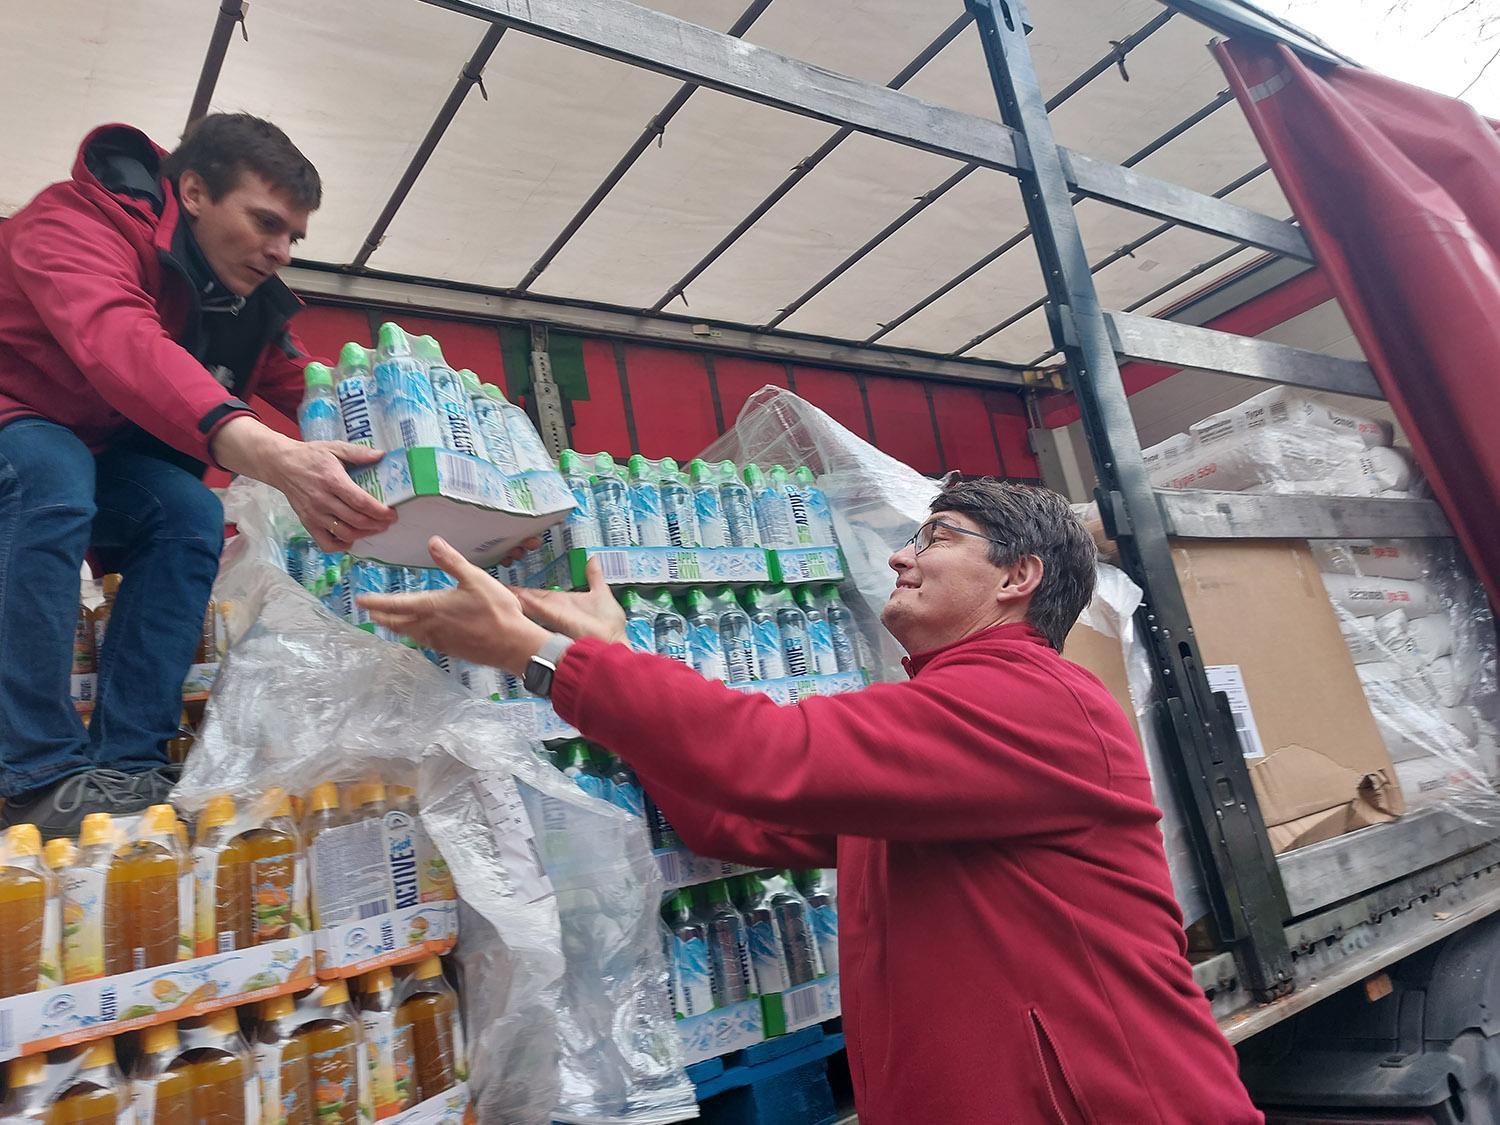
222 146
1026 519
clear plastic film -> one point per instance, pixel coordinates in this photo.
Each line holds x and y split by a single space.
1286 442
877 502
555 936
1422 639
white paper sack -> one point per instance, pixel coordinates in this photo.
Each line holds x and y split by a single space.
1373 558
1374 597
1286 406
1266 457
553 1006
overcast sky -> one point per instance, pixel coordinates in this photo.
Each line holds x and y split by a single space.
1445 45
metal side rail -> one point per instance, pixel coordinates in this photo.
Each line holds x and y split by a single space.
1339 947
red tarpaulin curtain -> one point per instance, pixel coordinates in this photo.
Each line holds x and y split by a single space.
1398 192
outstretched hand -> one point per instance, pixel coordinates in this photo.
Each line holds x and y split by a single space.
589 613
478 620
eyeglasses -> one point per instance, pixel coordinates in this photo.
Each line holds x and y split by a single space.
923 538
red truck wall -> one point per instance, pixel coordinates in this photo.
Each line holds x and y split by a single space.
673 402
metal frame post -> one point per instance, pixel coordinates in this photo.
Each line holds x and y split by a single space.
551 422
1244 882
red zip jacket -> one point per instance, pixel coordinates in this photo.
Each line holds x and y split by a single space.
1010 950
91 306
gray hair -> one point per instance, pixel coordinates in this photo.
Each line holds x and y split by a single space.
1027 519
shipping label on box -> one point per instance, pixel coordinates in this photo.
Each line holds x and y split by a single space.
392 938
1231 681
73 1013
720 1031
807 564
467 500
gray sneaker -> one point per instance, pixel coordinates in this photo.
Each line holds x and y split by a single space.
157 784
58 809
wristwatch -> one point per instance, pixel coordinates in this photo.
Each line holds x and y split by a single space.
542 667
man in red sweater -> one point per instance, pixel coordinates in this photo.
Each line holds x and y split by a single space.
1009 947
139 312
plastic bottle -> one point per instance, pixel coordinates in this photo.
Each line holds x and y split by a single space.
277 873
331 1039
678 506
582 527
626 789
403 392
800 532
97 1094
390 1060
221 1069
736 640
705 645
640 615
429 1007
708 506
773 515
221 881
612 503
83 900
823 904
767 954
59 855
403 863
668 629
739 507
842 630
281 1066
28 954
489 423
323 812
803 959
691 979
83 643
318 417
765 634
142 909
359 409
161 1094
26 1090
796 646
663 836
434 878
728 946
574 762
819 510
111 584
448 394
822 659
645 503
525 442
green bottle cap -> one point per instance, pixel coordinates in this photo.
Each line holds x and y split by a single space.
668 466
803 596
353 356
393 340
318 375
697 602
682 902
700 472
567 462
471 381
427 349
728 470
662 599
604 464
494 392
778 475
753 476
718 892
638 466
804 475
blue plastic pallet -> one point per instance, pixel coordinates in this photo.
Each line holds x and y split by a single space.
783 1081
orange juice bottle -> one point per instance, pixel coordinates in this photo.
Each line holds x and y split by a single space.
25 1090
333 1064
281 1066
389 1058
102 612
278 874
83 643
430 1009
221 881
323 812
96 1094
368 800
161 1093
26 894
221 1075
83 900
434 879
142 909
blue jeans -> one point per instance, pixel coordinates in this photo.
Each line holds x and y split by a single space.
155 524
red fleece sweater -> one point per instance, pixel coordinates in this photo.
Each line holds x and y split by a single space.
1010 950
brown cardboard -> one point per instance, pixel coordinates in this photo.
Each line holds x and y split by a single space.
1261 605
1104 656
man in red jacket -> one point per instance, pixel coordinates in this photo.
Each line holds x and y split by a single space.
139 311
1009 948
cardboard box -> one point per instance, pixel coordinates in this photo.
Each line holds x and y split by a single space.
1266 629
467 500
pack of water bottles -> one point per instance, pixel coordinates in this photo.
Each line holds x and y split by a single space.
462 461
656 522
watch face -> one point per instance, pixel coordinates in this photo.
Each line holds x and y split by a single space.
538 677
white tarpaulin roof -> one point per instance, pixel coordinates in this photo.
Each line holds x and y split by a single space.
357 84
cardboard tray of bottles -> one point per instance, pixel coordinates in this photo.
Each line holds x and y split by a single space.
737 1026
687 566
